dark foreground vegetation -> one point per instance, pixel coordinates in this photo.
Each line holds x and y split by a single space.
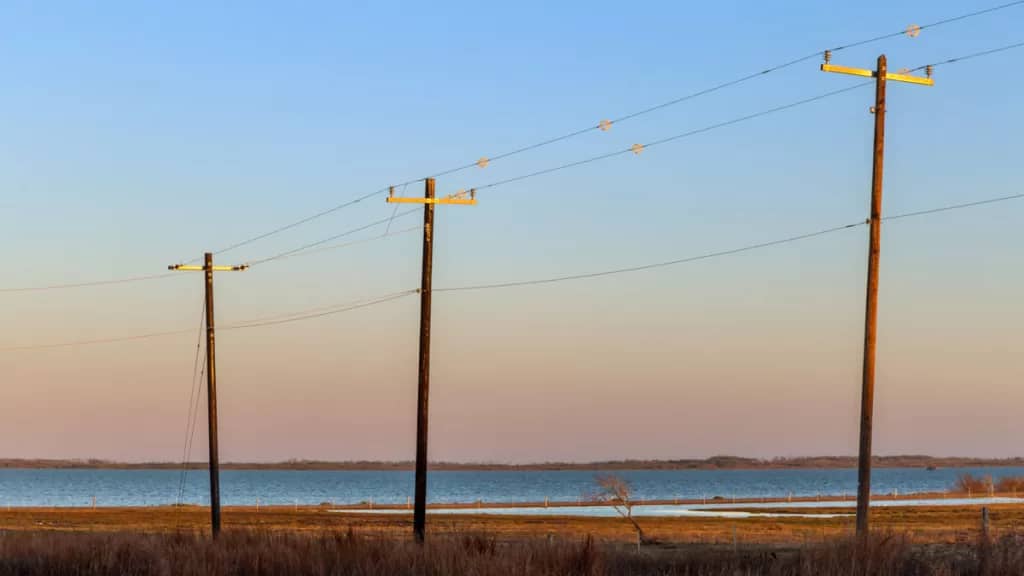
277 553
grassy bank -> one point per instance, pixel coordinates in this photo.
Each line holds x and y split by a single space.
937 524
347 553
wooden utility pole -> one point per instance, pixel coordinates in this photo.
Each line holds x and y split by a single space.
867 402
419 515
211 381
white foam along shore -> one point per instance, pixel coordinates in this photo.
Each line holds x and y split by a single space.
698 510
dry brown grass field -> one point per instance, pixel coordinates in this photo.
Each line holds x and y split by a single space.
935 524
314 540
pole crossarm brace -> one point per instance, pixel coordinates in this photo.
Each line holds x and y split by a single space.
926 80
459 197
192 268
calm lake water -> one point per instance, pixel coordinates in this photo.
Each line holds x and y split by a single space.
710 510
153 487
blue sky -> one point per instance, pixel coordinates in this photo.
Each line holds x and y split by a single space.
134 136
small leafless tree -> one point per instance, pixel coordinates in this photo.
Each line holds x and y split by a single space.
617 493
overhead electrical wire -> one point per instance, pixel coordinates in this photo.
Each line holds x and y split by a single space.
322 312
972 56
321 242
727 84
302 221
953 207
638 148
625 117
680 136
143 278
690 133
548 141
312 312
332 310
125 280
709 255
311 248
651 266
243 324
77 343
980 12
312 245
330 247
687 134
192 433
193 407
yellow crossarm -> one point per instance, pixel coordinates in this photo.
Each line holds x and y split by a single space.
192 268
400 200
871 74
847 70
910 79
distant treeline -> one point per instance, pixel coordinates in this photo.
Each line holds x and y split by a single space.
713 463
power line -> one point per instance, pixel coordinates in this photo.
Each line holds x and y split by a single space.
301 251
935 24
193 407
973 14
253 323
321 314
747 248
301 221
192 433
724 85
323 241
546 142
971 56
651 266
687 134
622 118
309 246
953 207
309 311
328 310
637 148
354 242
76 343
125 280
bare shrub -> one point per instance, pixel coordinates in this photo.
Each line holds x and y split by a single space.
1010 484
970 484
616 491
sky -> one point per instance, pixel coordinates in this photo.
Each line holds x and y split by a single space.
134 136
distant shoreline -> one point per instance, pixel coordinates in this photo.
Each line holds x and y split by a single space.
713 463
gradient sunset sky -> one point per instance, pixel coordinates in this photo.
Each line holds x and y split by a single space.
133 136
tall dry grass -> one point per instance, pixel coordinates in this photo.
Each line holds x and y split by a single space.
276 553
